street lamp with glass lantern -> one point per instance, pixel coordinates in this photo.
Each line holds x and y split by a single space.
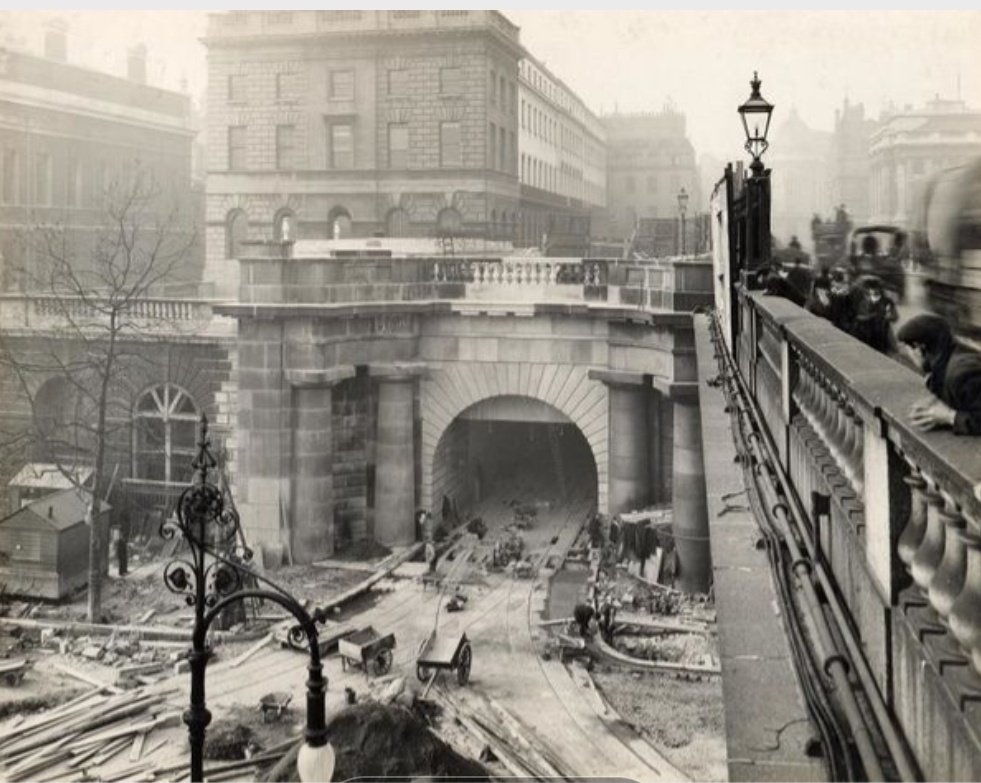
682 209
756 111
215 573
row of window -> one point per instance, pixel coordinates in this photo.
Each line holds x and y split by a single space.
40 187
340 84
341 146
502 92
501 156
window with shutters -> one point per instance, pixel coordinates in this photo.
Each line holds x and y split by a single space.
341 86
398 145
341 147
236 147
450 144
285 146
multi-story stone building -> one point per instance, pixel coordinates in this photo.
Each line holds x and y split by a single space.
798 156
848 163
562 147
360 123
68 134
650 161
909 147
389 123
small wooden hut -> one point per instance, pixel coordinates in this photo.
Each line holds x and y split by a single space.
44 546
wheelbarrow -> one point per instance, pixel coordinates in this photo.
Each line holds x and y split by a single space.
367 649
273 705
448 652
13 671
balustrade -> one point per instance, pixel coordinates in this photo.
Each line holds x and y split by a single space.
915 529
59 312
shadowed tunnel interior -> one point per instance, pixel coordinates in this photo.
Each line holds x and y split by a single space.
513 448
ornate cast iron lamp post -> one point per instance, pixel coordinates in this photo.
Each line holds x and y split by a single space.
215 574
755 110
755 114
682 209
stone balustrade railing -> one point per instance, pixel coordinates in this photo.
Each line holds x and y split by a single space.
663 284
157 314
894 513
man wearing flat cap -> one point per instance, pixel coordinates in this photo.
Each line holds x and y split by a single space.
953 376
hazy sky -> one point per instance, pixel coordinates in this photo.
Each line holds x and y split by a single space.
636 60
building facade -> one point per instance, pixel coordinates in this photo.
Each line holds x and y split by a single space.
848 164
332 124
650 160
562 169
909 147
69 135
799 158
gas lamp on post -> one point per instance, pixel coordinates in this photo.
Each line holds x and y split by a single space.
213 572
755 113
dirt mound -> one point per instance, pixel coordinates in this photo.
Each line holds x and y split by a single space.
373 740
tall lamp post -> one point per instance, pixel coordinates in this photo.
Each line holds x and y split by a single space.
216 573
755 114
682 208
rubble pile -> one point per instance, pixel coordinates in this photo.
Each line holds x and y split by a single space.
374 740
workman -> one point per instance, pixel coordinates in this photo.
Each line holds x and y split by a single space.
582 614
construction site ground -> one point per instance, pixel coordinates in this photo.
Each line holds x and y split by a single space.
646 727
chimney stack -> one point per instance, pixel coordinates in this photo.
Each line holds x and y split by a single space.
136 64
56 40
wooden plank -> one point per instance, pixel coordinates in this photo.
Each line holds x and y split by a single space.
110 750
252 651
84 677
137 749
145 632
12 665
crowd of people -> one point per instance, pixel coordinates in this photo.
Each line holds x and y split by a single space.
853 300
857 303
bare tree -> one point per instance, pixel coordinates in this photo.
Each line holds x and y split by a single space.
91 294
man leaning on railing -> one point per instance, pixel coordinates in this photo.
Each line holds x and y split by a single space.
953 376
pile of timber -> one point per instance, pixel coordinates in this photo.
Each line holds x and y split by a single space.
496 730
77 738
107 737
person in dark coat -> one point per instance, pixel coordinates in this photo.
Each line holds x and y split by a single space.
843 300
874 316
583 614
953 376
819 300
779 283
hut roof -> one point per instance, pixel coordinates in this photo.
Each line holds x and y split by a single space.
59 510
43 475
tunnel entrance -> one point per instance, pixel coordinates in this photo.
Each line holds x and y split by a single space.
509 447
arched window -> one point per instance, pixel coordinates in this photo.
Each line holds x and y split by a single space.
236 232
339 223
397 223
284 225
164 434
449 220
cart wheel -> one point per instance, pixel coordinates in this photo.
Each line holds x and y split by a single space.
423 673
383 661
463 667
